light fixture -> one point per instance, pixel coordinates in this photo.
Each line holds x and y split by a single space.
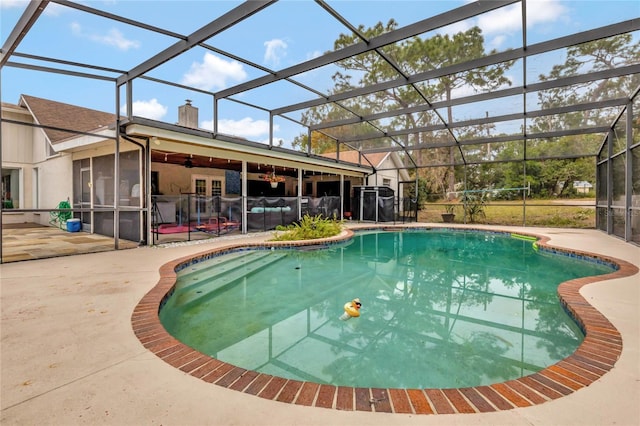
165 158
188 163
209 159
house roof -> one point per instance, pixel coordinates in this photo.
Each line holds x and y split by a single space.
65 116
61 121
352 156
376 159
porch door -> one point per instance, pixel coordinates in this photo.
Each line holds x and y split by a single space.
85 198
205 188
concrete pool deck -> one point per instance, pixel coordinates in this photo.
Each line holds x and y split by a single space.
69 355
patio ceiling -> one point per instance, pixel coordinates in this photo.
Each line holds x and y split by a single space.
467 119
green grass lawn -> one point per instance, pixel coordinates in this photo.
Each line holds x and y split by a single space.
553 213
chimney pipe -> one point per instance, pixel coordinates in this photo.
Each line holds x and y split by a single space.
188 115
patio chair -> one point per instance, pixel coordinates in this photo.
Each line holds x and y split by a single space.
217 225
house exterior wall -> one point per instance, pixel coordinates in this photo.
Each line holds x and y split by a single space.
16 154
54 186
45 177
44 181
17 140
378 178
174 179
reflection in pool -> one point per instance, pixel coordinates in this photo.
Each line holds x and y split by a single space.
440 309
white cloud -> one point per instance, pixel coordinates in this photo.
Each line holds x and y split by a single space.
455 28
497 41
543 11
9 4
314 54
509 18
150 109
505 19
274 50
469 90
462 91
213 73
115 38
247 127
112 38
76 29
52 9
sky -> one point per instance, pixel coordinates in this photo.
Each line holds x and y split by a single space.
284 34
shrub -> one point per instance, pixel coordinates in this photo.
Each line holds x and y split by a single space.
309 228
474 205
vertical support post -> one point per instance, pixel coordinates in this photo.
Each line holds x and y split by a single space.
341 196
609 183
464 197
271 133
1 203
524 182
396 198
628 184
146 188
361 203
129 89
417 193
300 175
524 108
116 168
377 206
244 196
215 116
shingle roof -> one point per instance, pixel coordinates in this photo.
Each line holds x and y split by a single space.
66 116
376 158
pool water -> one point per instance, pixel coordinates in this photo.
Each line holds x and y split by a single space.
440 309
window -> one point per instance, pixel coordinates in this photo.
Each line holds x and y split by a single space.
206 186
386 182
200 187
10 188
216 188
35 185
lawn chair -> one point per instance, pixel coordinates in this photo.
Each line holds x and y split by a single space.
60 218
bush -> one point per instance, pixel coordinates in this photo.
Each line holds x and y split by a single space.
309 228
474 205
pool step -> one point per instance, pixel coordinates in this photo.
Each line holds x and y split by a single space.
196 273
228 273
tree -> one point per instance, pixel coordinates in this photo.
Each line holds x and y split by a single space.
598 55
412 56
609 53
442 51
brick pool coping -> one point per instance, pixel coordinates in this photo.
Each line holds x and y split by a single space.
596 355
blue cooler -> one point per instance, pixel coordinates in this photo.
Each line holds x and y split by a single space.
73 225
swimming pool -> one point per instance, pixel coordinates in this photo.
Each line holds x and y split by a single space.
441 309
598 353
